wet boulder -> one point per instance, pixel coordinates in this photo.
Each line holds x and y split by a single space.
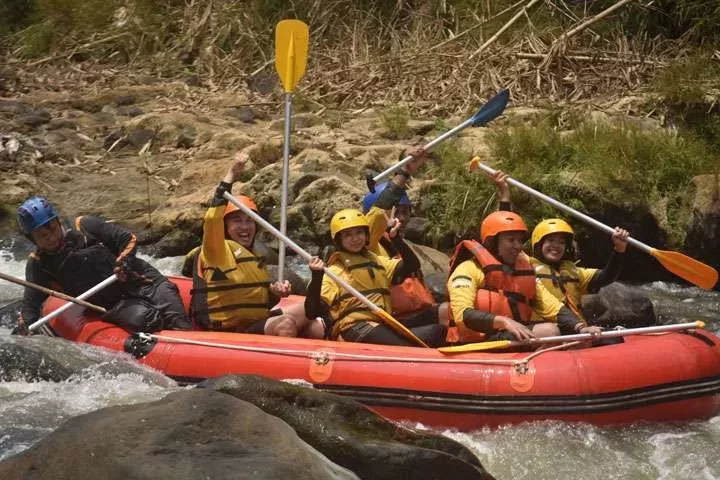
186 435
619 305
351 435
41 358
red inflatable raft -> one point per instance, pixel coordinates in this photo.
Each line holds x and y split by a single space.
658 378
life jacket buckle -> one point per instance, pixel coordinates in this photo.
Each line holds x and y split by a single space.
521 368
321 358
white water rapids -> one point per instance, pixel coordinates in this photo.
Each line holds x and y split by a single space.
544 450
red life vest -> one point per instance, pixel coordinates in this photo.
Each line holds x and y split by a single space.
507 291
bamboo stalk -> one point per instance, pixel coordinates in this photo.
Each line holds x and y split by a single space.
76 49
590 21
515 17
587 58
465 32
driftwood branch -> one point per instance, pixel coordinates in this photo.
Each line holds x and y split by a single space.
515 17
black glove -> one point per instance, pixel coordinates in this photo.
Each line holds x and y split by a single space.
123 268
21 328
221 189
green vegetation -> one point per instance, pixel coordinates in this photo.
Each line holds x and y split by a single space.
37 40
597 162
687 94
395 120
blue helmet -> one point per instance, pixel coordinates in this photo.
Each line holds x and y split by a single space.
370 199
34 213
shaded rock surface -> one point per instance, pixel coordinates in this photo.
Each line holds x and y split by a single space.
195 434
703 237
619 305
350 435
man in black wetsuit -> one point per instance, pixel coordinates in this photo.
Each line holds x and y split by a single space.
74 259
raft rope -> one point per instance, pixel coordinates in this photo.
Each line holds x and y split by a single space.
321 356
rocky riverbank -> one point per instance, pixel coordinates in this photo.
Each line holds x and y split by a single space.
148 153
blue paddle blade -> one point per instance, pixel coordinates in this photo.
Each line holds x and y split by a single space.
492 109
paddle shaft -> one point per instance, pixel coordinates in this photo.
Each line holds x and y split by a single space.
426 147
52 293
493 345
285 180
299 250
59 311
599 225
291 44
607 334
488 112
390 322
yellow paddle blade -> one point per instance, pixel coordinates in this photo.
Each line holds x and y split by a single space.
291 50
474 163
694 271
476 347
398 327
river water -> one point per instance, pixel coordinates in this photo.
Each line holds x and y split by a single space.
542 450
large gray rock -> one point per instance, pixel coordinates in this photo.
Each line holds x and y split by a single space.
197 434
431 261
351 435
619 305
41 358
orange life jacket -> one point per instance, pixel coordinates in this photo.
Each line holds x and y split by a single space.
410 296
508 290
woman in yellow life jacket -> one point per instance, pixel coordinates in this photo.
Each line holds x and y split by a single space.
371 274
555 266
554 259
231 285
411 296
493 290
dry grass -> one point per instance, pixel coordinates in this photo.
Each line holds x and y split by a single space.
362 56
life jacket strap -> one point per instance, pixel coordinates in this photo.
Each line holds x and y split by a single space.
345 296
223 288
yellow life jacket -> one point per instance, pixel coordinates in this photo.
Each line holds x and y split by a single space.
365 273
563 283
231 299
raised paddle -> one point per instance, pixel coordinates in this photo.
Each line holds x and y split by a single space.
59 311
382 314
483 346
291 49
52 293
490 111
694 271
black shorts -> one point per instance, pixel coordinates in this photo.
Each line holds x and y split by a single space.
258 326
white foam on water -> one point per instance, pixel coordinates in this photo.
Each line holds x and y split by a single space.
676 457
29 411
166 265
